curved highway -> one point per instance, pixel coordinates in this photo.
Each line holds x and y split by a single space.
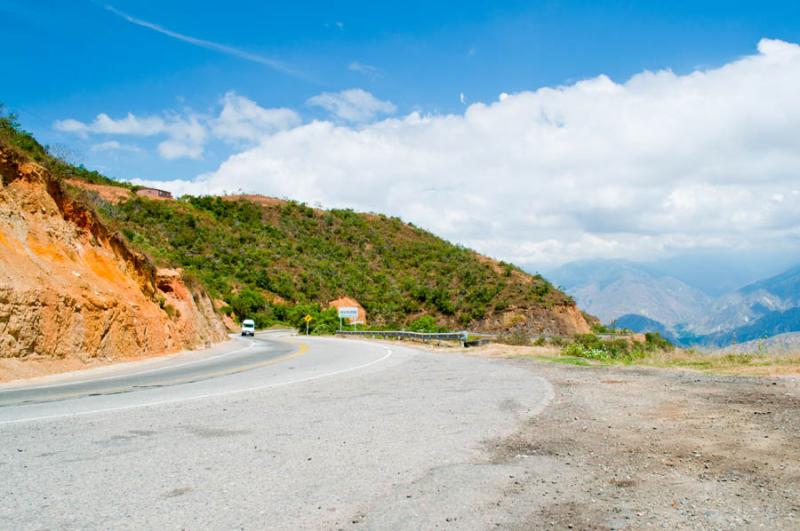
279 432
243 365
256 352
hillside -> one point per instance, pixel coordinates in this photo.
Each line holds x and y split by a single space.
771 324
69 287
267 256
277 260
785 343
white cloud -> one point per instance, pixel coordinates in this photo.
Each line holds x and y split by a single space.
187 133
356 66
660 163
104 124
243 119
352 105
186 137
113 145
372 72
71 126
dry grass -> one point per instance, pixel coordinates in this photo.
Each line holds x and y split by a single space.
718 362
754 364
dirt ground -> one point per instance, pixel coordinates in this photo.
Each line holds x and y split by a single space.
634 448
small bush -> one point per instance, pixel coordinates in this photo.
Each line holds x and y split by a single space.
171 311
425 324
657 342
517 338
593 347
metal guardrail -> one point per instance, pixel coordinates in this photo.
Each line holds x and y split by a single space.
398 334
478 342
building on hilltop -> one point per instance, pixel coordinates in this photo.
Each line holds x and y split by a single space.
153 193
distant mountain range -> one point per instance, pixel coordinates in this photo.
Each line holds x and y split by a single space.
787 343
642 298
610 289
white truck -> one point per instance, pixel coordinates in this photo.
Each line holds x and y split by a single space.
248 327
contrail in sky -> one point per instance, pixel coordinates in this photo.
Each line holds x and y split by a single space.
210 45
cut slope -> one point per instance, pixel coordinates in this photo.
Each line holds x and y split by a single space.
69 287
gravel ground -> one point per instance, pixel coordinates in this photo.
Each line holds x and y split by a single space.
633 448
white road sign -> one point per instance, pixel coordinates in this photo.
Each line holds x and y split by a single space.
348 312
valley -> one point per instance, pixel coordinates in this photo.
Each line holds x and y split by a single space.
638 297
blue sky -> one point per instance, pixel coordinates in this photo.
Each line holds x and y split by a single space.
74 60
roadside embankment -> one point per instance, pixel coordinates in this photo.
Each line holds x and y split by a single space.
72 290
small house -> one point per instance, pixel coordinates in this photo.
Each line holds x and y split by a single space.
153 193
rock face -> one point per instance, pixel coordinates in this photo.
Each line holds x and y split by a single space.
561 320
70 287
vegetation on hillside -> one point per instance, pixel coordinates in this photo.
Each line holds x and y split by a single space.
13 136
263 260
620 348
280 261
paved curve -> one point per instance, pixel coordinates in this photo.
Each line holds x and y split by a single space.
348 434
256 353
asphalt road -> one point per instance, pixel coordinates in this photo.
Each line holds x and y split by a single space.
254 353
299 433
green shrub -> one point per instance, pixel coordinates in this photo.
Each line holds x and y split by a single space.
656 341
247 303
12 134
425 324
172 312
738 358
618 349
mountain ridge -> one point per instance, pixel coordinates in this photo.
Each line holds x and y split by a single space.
610 289
759 309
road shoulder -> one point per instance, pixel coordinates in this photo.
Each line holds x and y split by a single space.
633 447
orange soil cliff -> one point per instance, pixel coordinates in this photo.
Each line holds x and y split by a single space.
71 288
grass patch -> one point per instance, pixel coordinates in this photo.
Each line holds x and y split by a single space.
567 360
655 351
761 363
621 349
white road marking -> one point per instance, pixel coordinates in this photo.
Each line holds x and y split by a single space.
199 397
137 373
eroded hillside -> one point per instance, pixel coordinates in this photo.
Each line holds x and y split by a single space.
70 287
